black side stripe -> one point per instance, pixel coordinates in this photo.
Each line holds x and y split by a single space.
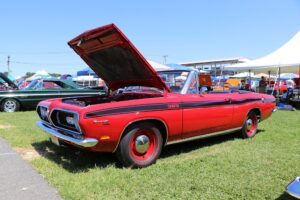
245 101
166 106
128 109
203 104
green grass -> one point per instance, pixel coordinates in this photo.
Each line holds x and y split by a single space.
224 167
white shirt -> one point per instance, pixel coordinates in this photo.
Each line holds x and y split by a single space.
290 83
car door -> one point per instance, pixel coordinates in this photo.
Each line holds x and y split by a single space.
205 113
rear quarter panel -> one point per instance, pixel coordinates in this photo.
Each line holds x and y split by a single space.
243 103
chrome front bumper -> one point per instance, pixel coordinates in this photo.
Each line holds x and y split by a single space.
86 142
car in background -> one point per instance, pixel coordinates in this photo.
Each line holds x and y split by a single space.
138 122
27 98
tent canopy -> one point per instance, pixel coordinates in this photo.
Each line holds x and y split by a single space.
287 57
39 74
288 76
264 75
243 75
85 72
157 66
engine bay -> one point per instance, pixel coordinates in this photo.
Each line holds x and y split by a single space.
86 101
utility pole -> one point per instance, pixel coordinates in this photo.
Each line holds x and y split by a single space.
8 62
165 59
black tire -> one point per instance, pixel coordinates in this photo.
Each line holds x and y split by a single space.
250 125
133 150
10 105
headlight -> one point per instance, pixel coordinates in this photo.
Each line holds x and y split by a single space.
44 113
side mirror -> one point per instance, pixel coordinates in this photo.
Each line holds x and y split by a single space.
203 90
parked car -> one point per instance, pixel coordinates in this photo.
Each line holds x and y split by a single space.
293 188
40 89
136 124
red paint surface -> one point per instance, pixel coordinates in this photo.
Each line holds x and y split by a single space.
180 122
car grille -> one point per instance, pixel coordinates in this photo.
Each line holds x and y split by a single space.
66 120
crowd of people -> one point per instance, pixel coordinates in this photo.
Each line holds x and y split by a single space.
265 85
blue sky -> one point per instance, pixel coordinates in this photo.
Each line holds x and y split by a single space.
35 33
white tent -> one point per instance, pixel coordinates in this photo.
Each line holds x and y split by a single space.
157 66
287 58
288 76
265 75
39 74
243 75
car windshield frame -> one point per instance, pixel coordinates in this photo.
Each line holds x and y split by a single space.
176 80
34 85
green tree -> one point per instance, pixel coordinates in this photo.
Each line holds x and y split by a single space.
28 74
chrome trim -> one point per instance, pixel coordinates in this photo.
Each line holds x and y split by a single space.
188 81
86 142
144 119
249 124
204 136
76 125
9 105
142 144
44 106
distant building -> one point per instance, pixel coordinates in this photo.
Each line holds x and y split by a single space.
214 67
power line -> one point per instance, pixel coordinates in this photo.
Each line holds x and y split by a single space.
34 63
37 53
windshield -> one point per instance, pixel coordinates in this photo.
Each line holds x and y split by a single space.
141 89
175 80
40 84
34 85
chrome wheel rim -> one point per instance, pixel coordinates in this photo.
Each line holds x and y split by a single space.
142 144
249 124
10 106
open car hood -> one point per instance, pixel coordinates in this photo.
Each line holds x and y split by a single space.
115 59
8 81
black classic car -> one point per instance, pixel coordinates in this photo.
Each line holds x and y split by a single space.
14 99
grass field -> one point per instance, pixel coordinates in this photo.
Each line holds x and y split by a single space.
225 167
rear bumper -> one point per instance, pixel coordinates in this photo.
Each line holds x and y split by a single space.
85 142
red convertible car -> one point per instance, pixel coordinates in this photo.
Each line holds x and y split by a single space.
158 109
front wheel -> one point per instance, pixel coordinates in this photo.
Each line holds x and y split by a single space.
10 105
140 146
250 125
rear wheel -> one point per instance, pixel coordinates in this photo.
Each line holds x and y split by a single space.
10 105
140 146
250 125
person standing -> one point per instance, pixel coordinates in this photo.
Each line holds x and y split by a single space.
243 85
290 84
262 85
